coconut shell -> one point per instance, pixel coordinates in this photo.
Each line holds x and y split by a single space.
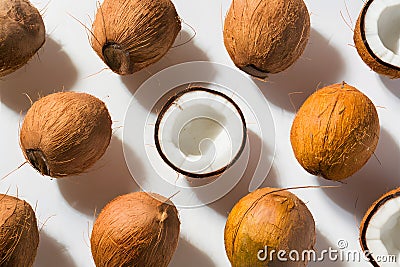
266 36
22 34
335 132
65 133
268 217
137 229
367 218
207 177
129 35
19 235
365 52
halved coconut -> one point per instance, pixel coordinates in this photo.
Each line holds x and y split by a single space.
380 231
200 132
377 36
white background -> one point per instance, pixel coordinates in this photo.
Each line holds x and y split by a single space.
65 208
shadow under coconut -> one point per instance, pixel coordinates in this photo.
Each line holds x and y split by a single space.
322 243
50 70
380 175
107 179
188 255
225 204
177 54
320 65
51 253
393 85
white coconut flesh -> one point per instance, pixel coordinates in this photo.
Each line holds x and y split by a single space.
200 132
382 31
382 235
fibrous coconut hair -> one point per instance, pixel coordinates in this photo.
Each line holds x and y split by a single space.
65 133
335 132
136 229
19 235
22 34
266 36
129 35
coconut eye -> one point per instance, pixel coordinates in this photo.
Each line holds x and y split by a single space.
116 57
38 161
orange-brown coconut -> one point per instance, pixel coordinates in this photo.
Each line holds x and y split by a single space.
266 36
19 235
335 132
374 61
22 34
65 133
137 229
268 218
129 35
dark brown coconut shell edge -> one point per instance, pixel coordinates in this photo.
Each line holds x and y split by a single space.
367 219
252 70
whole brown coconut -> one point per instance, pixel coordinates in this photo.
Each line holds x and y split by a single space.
129 35
335 132
364 50
65 133
22 34
19 235
266 36
137 229
268 218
